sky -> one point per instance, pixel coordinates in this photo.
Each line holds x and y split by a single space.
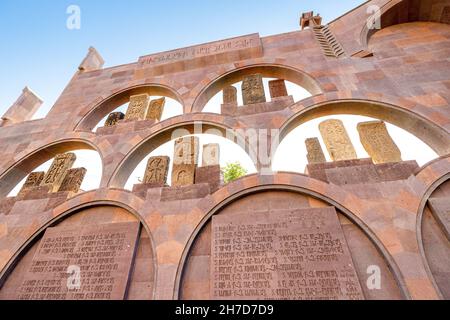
39 51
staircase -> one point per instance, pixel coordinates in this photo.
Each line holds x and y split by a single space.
330 45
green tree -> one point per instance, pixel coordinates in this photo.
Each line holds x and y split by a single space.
233 171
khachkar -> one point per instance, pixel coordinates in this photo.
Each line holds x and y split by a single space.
315 153
277 88
157 171
156 109
33 180
230 95
337 140
57 172
378 143
253 90
137 109
73 180
211 155
185 161
114 118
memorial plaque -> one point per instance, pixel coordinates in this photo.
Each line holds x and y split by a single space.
378 143
282 255
337 141
73 180
230 95
157 171
253 90
137 109
185 161
278 88
441 211
315 152
156 109
57 172
114 118
83 263
33 180
211 155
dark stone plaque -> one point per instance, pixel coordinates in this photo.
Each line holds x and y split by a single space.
284 255
441 211
101 255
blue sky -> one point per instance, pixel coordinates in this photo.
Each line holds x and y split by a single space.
39 51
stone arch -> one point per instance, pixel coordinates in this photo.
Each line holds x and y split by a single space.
301 78
295 183
99 109
430 133
129 203
404 11
190 124
18 171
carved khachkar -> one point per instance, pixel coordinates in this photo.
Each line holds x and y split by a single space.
337 141
73 180
33 180
230 95
137 108
378 143
278 88
253 90
315 152
185 161
114 118
55 175
211 155
156 109
157 171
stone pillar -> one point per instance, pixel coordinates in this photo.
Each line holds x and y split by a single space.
378 143
230 95
278 88
57 172
92 61
23 109
33 180
156 109
114 118
137 108
253 89
315 153
73 180
157 171
336 139
185 161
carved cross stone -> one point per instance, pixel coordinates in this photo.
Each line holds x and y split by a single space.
55 175
157 171
253 90
378 143
230 95
211 155
337 140
315 152
185 161
73 180
33 180
278 88
114 118
156 109
137 108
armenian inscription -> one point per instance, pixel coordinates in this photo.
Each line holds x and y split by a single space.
103 255
285 255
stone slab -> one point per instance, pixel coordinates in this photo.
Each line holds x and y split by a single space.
253 89
57 172
157 171
73 180
337 140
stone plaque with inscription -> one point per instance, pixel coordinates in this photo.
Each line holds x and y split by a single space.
83 263
57 172
211 155
378 143
230 95
156 109
114 118
253 90
315 152
137 109
157 171
73 180
283 255
441 211
337 140
33 180
277 88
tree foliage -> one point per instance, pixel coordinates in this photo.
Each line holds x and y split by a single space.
233 171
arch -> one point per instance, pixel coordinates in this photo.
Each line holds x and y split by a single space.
296 183
18 171
293 75
103 107
431 134
163 133
404 11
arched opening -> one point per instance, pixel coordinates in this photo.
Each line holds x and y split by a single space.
292 76
13 177
118 102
